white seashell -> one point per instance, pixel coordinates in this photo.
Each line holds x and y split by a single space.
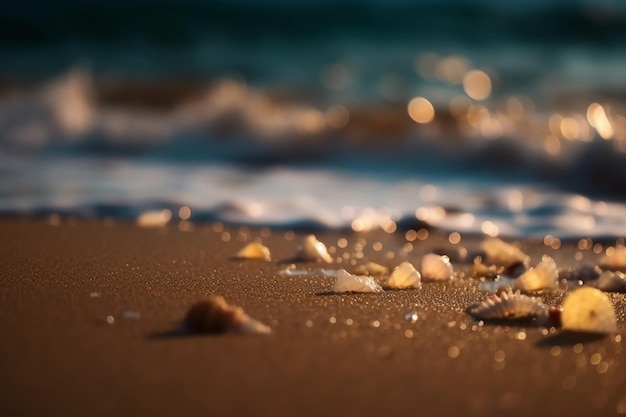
154 218
542 277
510 305
372 268
405 276
501 253
610 281
254 250
616 261
436 267
313 250
215 315
588 310
346 282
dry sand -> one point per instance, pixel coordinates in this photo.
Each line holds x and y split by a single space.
344 355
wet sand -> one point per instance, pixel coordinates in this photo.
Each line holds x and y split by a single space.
348 355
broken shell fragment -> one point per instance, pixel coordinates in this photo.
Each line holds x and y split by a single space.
436 267
215 315
543 277
313 250
510 305
405 276
588 310
616 261
346 282
372 268
610 281
498 252
254 250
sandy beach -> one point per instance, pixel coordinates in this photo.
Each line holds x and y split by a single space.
329 354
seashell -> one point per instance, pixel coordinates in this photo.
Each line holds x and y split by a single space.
542 277
405 276
610 281
254 250
346 282
510 306
436 268
616 261
588 310
372 268
313 250
498 252
154 218
215 315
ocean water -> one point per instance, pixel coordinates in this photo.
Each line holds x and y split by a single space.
501 118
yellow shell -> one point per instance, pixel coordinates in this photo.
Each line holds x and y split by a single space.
589 310
540 278
405 276
254 250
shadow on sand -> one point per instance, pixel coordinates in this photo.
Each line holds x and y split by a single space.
569 338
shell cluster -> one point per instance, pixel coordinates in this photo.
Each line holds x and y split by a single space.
215 315
254 250
588 310
346 282
510 305
405 276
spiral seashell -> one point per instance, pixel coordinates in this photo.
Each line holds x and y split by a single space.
436 267
610 281
346 282
616 261
588 310
254 250
543 277
498 252
313 250
215 315
372 268
510 305
405 276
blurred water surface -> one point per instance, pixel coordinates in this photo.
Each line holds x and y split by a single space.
490 117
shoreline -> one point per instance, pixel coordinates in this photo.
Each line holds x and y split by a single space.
338 354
